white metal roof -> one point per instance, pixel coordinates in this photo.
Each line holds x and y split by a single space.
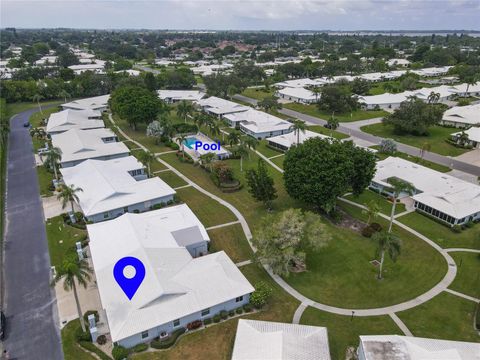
221 106
74 119
469 114
93 103
175 284
290 138
297 83
177 95
78 144
259 121
396 347
448 194
300 93
265 340
107 185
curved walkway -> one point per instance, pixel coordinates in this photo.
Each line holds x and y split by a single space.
388 310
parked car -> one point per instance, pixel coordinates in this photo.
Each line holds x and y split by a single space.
3 324
26 124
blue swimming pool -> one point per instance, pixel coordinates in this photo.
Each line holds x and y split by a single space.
190 142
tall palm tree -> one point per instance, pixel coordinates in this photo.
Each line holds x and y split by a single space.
71 271
64 94
233 138
398 186
37 98
433 97
332 124
241 150
463 138
372 210
184 109
386 242
213 128
146 158
181 138
68 194
297 126
54 155
251 143
316 91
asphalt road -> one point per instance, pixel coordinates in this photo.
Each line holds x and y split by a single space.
29 300
411 150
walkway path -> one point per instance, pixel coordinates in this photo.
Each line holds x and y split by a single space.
222 225
468 297
400 324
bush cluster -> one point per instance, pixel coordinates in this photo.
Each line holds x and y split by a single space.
170 341
194 325
119 352
371 229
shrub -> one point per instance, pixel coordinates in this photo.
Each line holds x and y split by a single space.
261 295
90 312
367 231
216 318
119 352
91 347
388 146
102 340
82 336
231 313
376 227
223 314
207 321
140 347
469 224
194 325
166 343
247 307
239 311
456 228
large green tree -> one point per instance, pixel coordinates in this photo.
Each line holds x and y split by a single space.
337 99
261 185
320 170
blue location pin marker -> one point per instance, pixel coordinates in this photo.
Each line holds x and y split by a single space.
129 285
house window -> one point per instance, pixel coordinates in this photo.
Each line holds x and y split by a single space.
176 323
105 215
238 299
205 312
144 334
125 209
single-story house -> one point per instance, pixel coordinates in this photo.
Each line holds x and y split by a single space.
267 340
114 187
99 103
131 72
258 124
177 289
462 116
79 145
96 66
473 137
297 83
444 197
398 62
74 119
285 141
432 71
466 90
172 96
298 94
46 61
397 347
220 107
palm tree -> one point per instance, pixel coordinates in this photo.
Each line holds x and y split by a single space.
317 91
214 128
68 194
71 271
372 210
184 109
181 138
387 242
64 94
425 148
433 97
241 150
54 155
298 125
37 98
146 158
462 138
332 124
398 186
207 160
233 138
251 143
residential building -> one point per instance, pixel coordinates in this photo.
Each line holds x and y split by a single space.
266 340
74 119
398 62
79 145
397 347
178 288
99 103
258 123
96 66
220 107
438 195
285 141
172 96
466 89
113 187
298 94
462 116
297 83
473 137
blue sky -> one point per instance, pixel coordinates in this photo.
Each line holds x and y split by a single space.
244 14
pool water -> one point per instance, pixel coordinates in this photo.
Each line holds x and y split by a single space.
190 142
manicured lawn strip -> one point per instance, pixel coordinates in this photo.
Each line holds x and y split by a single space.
57 231
278 161
356 115
232 240
441 234
341 275
415 159
446 317
157 166
15 108
436 138
257 93
207 210
171 179
467 280
71 350
36 118
263 148
344 331
45 179
383 203
323 130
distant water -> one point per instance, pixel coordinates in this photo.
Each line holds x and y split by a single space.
385 33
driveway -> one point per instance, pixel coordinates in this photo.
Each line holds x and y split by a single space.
29 301
472 157
53 207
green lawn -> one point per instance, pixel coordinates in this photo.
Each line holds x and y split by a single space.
45 179
257 93
157 166
263 148
344 331
278 161
467 280
416 159
436 138
341 274
323 130
383 203
356 115
446 317
232 240
62 239
171 179
71 349
209 211
441 234
37 117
